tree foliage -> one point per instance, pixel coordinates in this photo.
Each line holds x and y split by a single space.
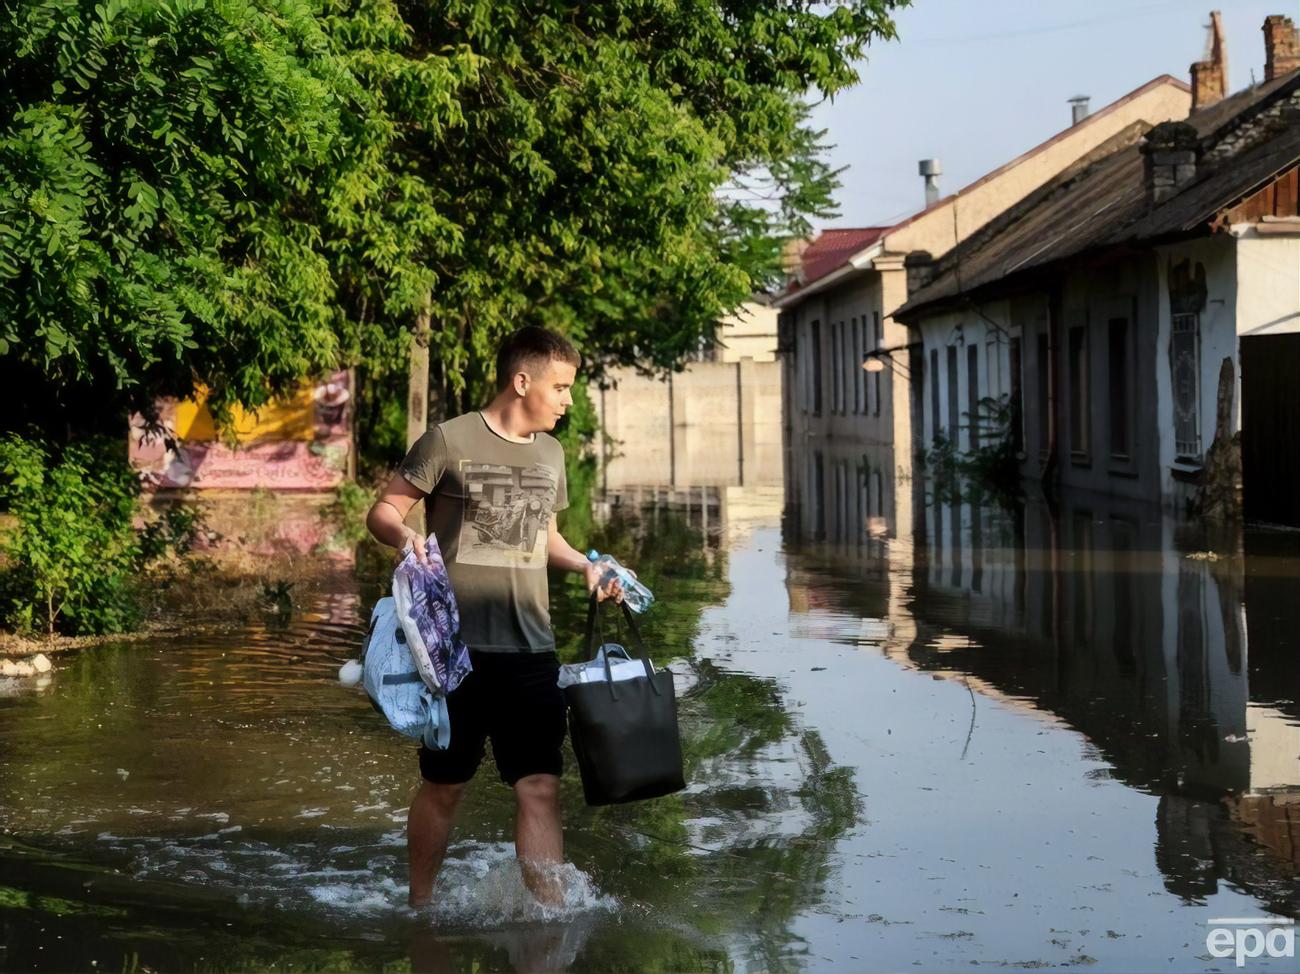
241 193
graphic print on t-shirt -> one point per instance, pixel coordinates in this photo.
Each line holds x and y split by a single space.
507 511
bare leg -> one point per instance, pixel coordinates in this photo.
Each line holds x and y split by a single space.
539 840
428 827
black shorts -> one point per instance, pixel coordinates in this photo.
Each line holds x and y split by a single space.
512 699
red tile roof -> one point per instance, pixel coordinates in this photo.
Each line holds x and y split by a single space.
832 249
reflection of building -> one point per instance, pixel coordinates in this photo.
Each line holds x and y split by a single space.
299 442
719 512
1140 310
1103 614
840 303
848 493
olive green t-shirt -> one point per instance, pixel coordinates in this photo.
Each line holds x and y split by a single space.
490 504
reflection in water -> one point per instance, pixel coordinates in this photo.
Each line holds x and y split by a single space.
222 796
1169 648
1074 732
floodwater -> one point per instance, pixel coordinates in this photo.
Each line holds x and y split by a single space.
1038 738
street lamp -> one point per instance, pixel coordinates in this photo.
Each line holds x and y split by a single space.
877 361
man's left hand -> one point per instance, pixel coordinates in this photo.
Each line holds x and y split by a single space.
612 589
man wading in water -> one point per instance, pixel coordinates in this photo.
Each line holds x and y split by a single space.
494 480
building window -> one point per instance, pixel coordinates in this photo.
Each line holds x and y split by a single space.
803 343
843 370
819 496
856 365
935 426
840 337
864 500
876 338
867 378
1017 397
973 393
953 423
1119 385
834 366
846 364
1185 366
815 361
1044 378
1079 431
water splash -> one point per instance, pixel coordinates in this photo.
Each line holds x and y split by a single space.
486 888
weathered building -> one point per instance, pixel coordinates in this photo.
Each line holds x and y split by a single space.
1115 310
845 429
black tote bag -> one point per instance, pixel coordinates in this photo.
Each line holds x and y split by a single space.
624 732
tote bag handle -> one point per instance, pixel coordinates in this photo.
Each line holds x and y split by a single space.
594 622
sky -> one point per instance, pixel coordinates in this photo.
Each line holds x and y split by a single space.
974 83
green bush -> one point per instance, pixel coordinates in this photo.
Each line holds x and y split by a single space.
73 560
991 468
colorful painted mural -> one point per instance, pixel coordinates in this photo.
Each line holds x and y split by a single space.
301 442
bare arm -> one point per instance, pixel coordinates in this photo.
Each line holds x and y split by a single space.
560 554
386 516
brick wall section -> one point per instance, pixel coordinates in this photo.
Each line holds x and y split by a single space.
1281 47
1210 77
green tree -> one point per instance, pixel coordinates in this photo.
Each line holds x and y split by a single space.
154 158
625 172
245 192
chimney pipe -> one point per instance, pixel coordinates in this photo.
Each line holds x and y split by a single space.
1079 109
931 170
1210 74
1281 47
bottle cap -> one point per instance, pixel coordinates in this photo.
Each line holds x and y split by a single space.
593 555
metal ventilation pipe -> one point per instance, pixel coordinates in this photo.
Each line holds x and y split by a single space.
931 170
1079 109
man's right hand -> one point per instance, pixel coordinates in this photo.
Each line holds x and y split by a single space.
416 542
387 516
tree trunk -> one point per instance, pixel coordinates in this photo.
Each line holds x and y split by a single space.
417 390
417 401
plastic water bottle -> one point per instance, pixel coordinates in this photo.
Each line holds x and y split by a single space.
637 597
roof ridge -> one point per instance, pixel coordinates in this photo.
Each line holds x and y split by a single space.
1102 112
1125 139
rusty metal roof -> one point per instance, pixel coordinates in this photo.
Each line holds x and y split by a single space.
831 251
1102 202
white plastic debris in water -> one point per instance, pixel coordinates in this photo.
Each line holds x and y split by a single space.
350 673
41 663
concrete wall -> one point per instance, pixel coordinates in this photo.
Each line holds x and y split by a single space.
749 333
713 424
1268 283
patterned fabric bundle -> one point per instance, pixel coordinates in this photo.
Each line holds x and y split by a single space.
426 609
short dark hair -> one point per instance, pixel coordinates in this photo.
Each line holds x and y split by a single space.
531 345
